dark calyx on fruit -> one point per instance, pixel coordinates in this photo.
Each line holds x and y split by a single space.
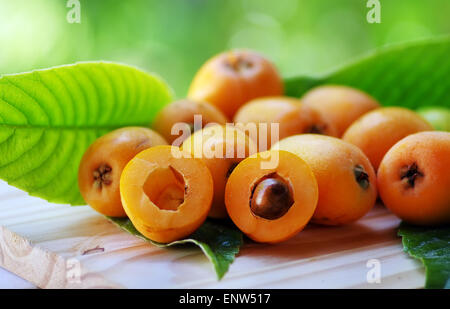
271 198
238 63
191 127
316 129
231 169
361 177
102 176
410 174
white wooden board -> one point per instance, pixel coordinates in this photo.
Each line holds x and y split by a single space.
11 281
58 246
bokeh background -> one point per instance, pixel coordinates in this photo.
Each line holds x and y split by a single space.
174 37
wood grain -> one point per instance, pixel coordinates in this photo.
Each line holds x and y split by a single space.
57 246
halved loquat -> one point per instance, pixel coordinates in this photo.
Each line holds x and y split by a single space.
346 179
166 193
271 202
414 178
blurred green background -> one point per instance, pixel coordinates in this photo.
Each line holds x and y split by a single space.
174 37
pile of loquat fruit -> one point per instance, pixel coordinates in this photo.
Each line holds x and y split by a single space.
334 151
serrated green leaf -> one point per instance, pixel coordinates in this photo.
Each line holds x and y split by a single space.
49 117
220 243
431 245
411 75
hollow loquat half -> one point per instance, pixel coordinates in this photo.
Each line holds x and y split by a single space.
166 193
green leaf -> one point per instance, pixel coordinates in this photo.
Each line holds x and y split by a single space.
220 243
410 75
49 117
438 117
431 245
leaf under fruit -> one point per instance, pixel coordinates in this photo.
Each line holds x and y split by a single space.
219 242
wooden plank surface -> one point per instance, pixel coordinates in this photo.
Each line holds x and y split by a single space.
57 246
9 280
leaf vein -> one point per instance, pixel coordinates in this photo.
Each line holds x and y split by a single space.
32 98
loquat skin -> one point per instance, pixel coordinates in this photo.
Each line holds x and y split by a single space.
414 178
271 205
183 111
340 104
377 131
221 148
346 179
103 162
290 114
166 196
233 78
